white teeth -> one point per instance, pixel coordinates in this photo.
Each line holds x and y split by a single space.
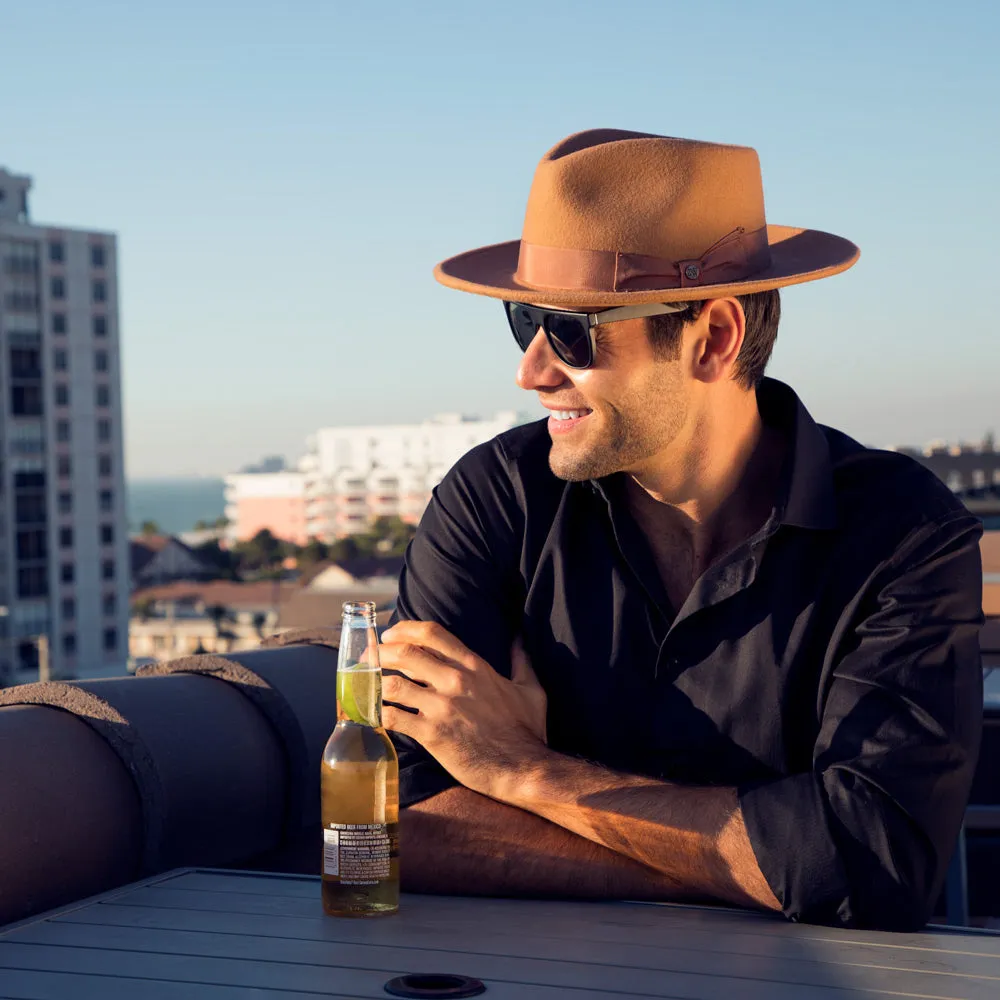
568 414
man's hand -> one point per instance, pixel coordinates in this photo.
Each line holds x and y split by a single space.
482 728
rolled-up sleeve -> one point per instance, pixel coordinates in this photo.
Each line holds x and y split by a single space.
461 571
865 837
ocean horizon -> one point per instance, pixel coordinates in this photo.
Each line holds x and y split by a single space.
175 504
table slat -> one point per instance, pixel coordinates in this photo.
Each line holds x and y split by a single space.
17 984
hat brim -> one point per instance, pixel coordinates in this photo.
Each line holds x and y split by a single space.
797 255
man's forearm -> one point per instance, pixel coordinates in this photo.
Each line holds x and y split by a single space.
464 843
694 837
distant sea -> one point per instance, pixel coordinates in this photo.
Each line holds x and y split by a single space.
174 504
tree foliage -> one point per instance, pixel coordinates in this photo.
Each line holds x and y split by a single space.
313 552
223 561
260 555
143 609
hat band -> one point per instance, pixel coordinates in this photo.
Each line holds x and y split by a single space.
736 256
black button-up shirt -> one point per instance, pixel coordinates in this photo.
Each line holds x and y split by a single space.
828 667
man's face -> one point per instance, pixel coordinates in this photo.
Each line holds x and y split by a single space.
630 406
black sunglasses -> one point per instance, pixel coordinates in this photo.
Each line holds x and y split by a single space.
571 334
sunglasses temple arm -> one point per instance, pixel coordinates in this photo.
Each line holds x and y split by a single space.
636 312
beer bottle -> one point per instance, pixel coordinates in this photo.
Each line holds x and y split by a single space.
360 782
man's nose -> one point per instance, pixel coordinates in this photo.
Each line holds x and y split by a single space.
539 367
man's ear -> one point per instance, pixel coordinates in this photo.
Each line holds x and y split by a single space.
719 332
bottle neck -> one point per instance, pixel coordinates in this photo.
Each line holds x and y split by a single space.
359 675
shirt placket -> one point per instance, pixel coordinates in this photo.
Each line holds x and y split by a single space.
722 580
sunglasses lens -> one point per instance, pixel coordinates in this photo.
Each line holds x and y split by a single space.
570 339
523 324
569 334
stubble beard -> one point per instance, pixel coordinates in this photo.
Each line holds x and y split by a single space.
628 434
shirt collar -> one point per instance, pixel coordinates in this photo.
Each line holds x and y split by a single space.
805 497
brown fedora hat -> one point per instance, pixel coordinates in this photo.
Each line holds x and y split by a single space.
626 217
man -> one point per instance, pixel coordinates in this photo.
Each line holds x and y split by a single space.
680 642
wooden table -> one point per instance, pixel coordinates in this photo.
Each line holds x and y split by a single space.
203 934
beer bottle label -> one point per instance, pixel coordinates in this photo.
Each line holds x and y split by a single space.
357 853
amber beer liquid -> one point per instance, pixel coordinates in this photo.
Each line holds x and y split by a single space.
360 783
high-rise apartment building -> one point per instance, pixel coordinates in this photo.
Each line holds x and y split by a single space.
63 535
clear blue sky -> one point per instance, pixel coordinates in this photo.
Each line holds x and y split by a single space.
284 176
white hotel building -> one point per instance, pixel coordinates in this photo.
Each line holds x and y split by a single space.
63 538
351 475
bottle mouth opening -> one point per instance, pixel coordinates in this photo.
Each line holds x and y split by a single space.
359 608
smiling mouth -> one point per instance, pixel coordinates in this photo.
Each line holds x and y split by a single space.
561 421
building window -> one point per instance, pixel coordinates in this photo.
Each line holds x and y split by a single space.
24 302
107 500
110 605
26 400
67 573
58 288
59 323
29 508
104 465
103 430
57 252
100 326
110 640
31 544
102 396
69 644
60 360
32 581
25 381
65 538
62 431
107 534
108 569
97 256
65 503
99 291
101 361
68 609
62 394
64 466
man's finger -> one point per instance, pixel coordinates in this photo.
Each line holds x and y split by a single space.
417 663
400 721
433 637
399 688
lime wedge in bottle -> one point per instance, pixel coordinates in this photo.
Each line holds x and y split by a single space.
354 691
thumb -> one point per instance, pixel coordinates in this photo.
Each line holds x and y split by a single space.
521 671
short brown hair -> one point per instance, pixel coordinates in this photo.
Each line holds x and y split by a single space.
762 311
